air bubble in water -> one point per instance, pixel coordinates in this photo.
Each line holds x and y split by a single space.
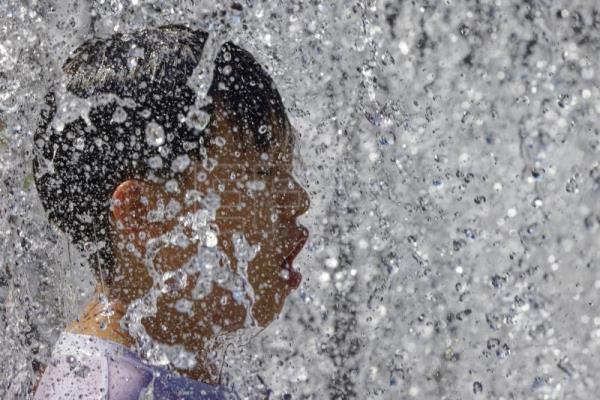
155 134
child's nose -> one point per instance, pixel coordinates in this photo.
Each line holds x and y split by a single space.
297 202
303 202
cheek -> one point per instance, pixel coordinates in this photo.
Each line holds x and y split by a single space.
225 312
174 257
271 296
266 277
132 278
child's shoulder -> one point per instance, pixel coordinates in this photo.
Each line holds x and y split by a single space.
85 368
70 377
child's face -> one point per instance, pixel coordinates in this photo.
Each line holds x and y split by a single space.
259 199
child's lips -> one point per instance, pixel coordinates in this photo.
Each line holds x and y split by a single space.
295 277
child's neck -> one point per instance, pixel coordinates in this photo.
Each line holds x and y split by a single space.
102 318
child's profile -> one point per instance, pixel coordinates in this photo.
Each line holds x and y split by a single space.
142 180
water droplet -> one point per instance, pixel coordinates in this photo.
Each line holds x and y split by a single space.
198 119
155 134
187 146
202 289
209 164
571 186
79 143
171 186
219 141
89 247
196 221
180 163
211 239
135 53
256 186
184 306
477 387
193 196
146 113
82 371
119 116
174 281
227 70
331 263
155 162
201 176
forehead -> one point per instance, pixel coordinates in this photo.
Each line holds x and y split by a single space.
229 146
254 159
232 161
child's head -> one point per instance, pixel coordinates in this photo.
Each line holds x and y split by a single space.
104 180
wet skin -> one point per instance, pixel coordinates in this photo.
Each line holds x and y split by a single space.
266 217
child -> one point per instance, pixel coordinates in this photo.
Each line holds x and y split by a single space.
197 208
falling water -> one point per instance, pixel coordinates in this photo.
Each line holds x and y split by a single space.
450 151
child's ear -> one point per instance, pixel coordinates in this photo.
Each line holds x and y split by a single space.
130 206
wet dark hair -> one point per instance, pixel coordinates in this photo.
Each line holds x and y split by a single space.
77 166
